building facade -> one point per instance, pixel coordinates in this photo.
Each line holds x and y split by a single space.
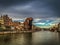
7 20
1 20
28 23
59 27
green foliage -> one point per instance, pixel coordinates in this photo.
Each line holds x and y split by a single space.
1 29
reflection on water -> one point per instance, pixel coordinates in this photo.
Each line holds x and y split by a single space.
45 38
36 38
16 39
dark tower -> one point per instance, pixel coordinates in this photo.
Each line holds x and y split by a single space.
28 23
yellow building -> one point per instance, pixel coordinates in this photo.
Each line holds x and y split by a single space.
1 20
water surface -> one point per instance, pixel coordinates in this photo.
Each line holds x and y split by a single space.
36 38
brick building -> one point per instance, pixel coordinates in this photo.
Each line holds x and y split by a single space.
28 23
7 20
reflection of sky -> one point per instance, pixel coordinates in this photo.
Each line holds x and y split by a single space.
43 22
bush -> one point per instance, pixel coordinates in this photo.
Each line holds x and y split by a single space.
1 29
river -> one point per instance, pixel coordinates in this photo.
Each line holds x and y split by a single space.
36 38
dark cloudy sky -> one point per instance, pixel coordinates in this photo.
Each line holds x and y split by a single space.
30 8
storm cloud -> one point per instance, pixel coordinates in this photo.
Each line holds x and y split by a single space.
30 8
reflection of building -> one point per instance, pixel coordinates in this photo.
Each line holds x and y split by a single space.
28 23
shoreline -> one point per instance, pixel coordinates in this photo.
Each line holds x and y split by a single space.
18 32
14 32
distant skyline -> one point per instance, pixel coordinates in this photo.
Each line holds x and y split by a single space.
30 8
43 23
